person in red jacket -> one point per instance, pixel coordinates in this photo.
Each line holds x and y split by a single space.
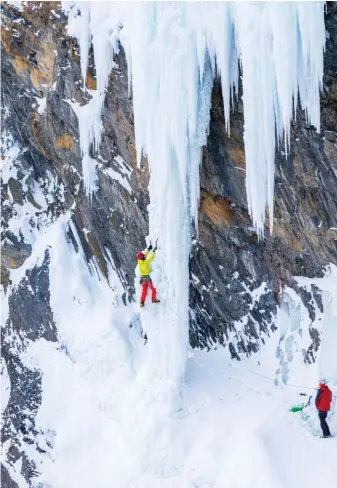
323 403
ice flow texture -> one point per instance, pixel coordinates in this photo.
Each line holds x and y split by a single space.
174 52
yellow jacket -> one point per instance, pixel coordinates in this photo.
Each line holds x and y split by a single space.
144 265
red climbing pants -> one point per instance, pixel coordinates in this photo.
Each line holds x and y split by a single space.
147 283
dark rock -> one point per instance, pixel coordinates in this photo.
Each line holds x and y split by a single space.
305 184
6 480
30 318
305 211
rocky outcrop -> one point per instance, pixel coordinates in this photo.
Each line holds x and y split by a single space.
52 137
228 260
29 318
40 75
41 66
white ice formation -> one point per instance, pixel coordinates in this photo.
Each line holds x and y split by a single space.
174 51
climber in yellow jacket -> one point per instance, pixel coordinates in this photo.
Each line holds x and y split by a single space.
145 278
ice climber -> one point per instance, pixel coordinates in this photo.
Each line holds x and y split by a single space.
145 278
323 403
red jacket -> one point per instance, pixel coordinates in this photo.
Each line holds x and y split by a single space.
323 398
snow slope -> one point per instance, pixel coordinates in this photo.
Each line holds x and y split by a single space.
103 421
106 418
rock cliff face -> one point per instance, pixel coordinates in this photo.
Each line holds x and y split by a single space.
40 75
305 216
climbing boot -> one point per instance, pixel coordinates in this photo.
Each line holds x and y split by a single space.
142 304
155 301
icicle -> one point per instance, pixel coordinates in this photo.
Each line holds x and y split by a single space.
280 46
174 51
78 26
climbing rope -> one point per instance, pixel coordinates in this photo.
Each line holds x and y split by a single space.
273 380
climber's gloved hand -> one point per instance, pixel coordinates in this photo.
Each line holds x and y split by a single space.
155 249
150 247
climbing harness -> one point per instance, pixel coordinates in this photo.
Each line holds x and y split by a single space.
145 280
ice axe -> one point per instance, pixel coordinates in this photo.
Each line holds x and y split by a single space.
156 245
